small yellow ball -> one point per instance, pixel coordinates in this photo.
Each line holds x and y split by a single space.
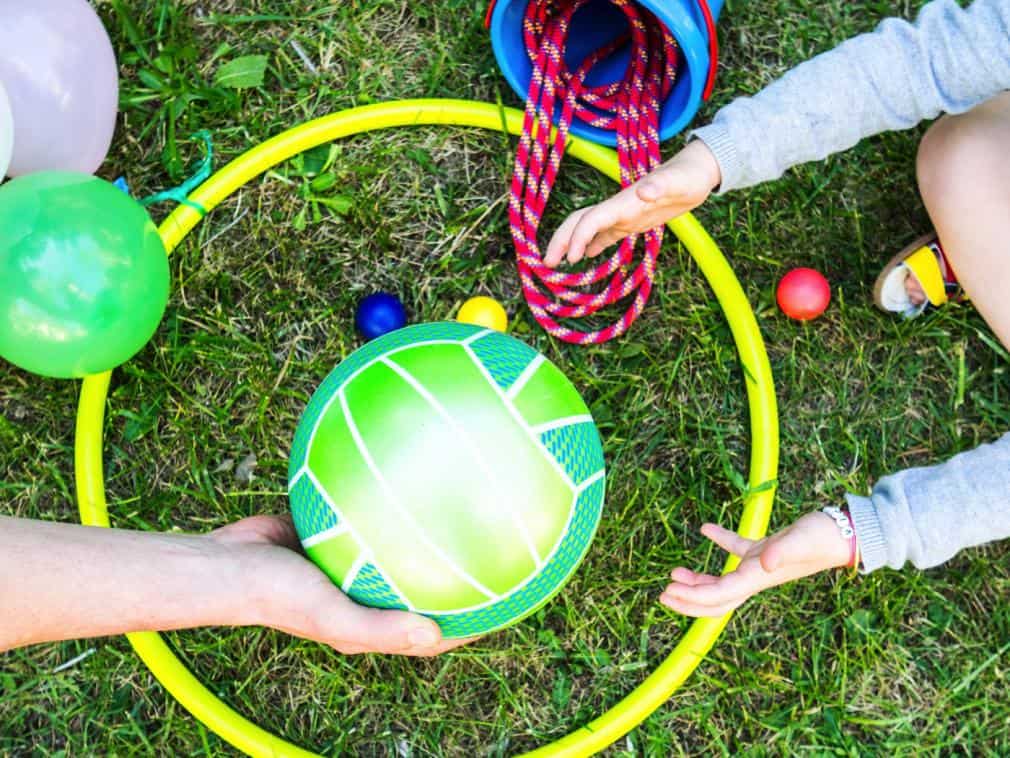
483 311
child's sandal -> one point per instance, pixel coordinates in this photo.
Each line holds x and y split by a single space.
924 259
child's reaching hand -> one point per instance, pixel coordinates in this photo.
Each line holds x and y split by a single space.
813 543
681 184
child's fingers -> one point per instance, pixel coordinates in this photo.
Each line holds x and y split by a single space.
686 576
732 588
561 241
592 223
601 242
728 540
689 608
556 251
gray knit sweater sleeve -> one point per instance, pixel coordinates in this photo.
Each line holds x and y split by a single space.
926 515
948 60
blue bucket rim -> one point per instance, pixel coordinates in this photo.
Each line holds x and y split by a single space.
691 39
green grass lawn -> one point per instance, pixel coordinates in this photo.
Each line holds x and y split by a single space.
264 295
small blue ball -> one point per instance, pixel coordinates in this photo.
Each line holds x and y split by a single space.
380 313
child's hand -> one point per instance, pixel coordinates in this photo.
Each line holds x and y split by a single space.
296 597
681 184
812 544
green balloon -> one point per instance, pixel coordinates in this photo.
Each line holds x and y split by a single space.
83 274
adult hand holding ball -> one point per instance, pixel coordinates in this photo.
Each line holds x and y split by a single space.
83 275
57 64
447 470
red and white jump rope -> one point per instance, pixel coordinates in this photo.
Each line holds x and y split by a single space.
630 107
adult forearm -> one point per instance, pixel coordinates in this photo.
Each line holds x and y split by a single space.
63 581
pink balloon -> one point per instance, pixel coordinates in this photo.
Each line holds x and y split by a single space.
57 64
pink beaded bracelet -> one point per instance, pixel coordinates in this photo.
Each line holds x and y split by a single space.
848 529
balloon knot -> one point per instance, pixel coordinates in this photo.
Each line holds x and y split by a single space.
180 194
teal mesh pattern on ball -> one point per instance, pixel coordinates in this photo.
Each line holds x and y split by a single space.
310 511
577 448
299 453
371 589
503 357
411 335
544 585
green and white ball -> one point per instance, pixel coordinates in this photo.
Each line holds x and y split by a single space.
449 470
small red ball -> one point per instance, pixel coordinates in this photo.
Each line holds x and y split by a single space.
803 294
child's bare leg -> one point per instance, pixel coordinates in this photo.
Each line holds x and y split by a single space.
963 168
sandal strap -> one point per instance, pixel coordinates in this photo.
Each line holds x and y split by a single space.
924 264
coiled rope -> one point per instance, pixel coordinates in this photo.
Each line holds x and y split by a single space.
630 107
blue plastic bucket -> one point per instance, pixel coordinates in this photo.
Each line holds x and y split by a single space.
593 26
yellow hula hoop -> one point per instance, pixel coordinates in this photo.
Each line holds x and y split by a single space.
702 634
